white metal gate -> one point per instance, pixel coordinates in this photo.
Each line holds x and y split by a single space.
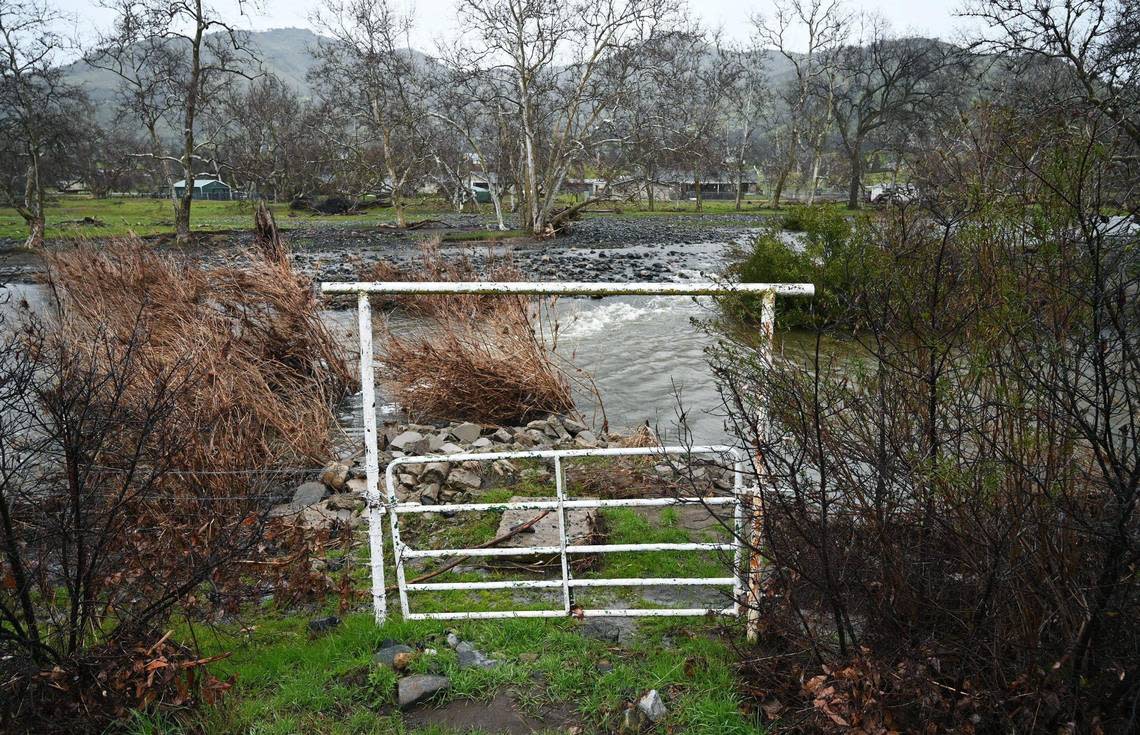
561 503
746 578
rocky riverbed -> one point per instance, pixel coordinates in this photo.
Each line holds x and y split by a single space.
603 248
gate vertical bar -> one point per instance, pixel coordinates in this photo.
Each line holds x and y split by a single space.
739 573
560 491
756 531
371 460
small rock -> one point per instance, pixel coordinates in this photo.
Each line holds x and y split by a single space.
470 657
652 706
449 448
435 472
503 468
604 667
573 426
435 441
586 440
387 656
335 477
503 436
453 640
559 430
482 443
430 493
308 493
528 658
467 432
631 720
414 688
464 478
321 625
411 442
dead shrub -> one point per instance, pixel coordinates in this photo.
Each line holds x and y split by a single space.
149 426
490 359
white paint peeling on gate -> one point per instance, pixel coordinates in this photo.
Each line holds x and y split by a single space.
747 519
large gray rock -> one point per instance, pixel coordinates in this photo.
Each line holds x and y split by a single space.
421 686
581 526
308 493
411 442
464 479
652 707
467 432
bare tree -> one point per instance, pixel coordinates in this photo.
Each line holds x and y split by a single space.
1094 42
476 104
820 26
372 82
883 81
39 111
747 102
566 65
173 57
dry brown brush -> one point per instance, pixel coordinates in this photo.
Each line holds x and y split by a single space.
148 425
952 510
490 359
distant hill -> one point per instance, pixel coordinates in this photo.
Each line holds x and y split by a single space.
288 54
284 52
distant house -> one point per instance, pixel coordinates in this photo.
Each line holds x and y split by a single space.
205 189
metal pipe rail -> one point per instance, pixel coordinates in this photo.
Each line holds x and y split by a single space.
561 504
567 288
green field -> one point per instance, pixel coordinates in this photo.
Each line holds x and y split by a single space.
113 217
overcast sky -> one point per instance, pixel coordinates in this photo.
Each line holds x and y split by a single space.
435 19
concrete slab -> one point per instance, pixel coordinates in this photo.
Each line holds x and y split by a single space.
581 526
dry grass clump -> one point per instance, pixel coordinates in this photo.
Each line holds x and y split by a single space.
262 372
481 358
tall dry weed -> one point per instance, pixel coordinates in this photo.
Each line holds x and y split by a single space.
486 358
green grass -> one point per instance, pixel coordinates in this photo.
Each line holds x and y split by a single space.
146 217
288 681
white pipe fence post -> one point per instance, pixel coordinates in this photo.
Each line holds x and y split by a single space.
756 506
371 460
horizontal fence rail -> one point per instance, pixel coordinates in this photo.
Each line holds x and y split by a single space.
561 503
569 288
746 592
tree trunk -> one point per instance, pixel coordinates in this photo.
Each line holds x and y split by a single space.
649 193
697 188
855 187
739 188
33 209
779 188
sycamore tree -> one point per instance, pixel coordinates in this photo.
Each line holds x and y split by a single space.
41 116
173 57
563 68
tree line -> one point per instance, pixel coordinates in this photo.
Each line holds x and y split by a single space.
531 95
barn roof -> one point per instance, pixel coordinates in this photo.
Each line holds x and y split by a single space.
200 183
